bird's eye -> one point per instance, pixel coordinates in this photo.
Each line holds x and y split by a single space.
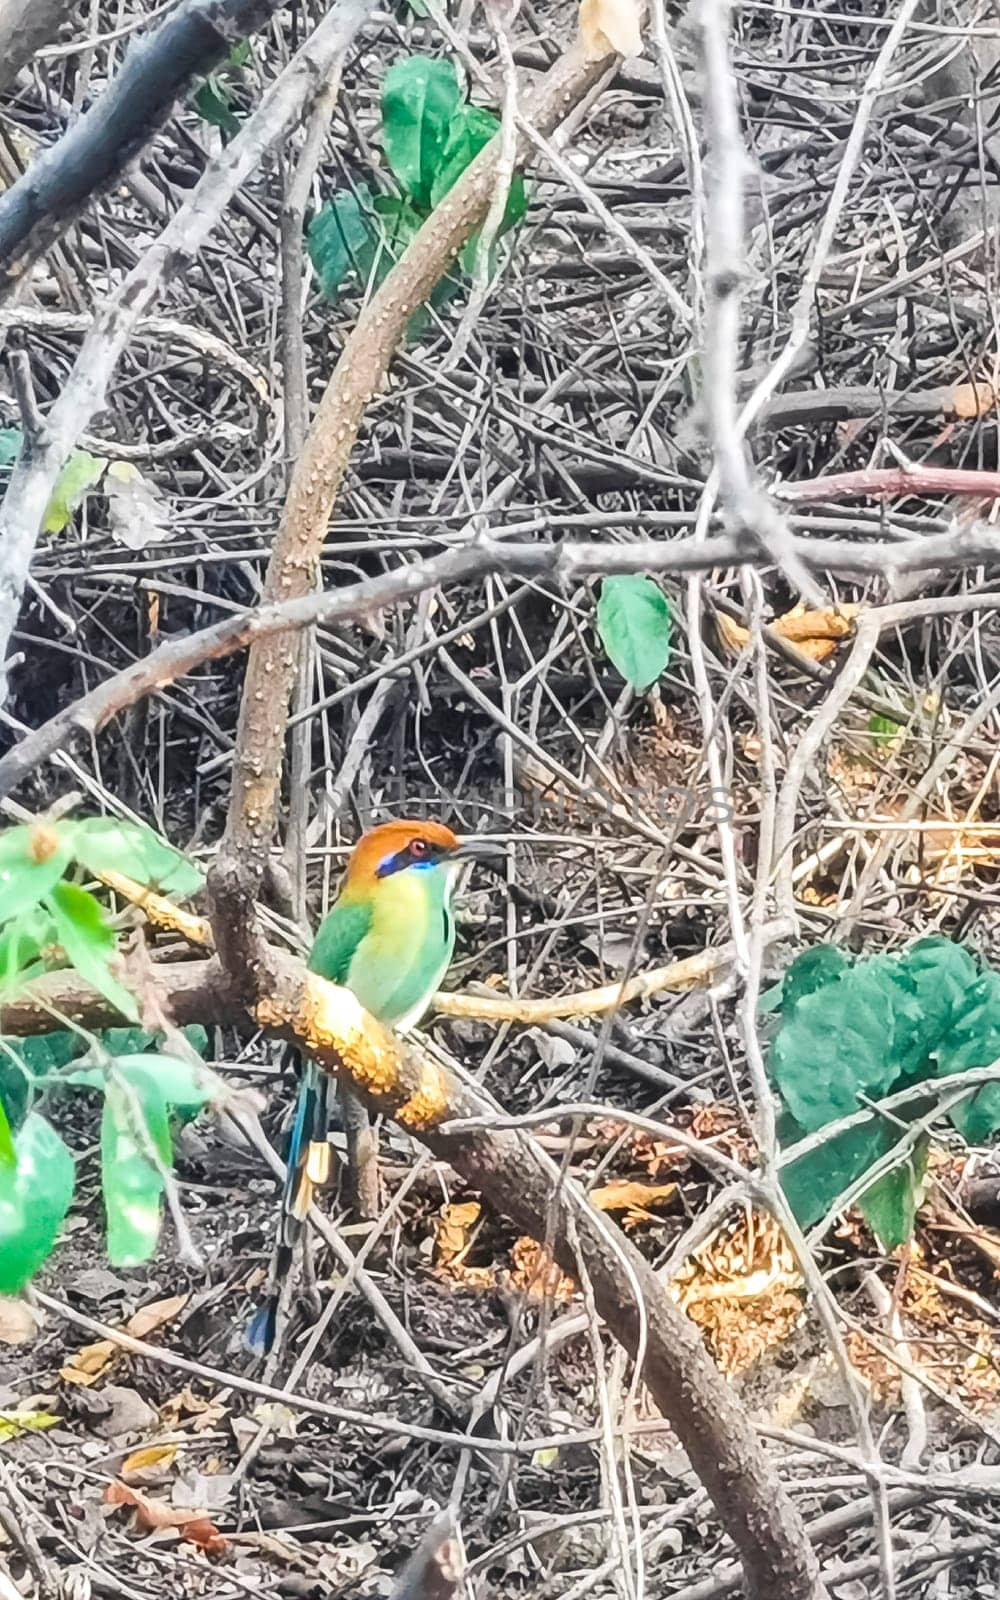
419 848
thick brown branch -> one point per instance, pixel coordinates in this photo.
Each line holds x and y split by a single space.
191 991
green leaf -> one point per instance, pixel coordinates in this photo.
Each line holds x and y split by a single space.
945 980
34 1199
213 101
22 941
14 1423
140 1041
472 128
132 1185
80 474
239 55
884 730
89 942
104 844
419 99
890 1206
22 1061
11 440
342 240
168 1080
350 244
973 1041
634 622
839 1042
24 878
812 970
815 1182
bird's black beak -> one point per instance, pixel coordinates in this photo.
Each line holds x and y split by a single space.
487 852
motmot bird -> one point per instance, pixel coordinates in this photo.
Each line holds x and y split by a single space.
389 938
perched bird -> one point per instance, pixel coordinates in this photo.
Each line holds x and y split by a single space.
389 938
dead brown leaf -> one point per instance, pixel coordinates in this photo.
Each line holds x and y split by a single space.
156 1315
813 633
451 1232
636 1198
182 1407
93 1360
90 1363
536 1275
154 1515
972 399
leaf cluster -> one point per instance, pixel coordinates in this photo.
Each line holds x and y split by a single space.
48 922
856 1030
430 134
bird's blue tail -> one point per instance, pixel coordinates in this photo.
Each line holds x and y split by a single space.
307 1167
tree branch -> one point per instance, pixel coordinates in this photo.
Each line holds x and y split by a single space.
156 69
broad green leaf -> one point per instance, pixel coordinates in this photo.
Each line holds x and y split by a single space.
168 1079
89 943
357 239
419 99
34 1198
15 1085
812 970
32 860
815 1182
142 1041
342 240
884 730
11 440
104 844
978 1117
239 55
973 1040
24 1061
890 1206
837 1043
472 128
81 473
945 981
634 622
213 101
132 1185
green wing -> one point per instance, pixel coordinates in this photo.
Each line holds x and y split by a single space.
338 938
